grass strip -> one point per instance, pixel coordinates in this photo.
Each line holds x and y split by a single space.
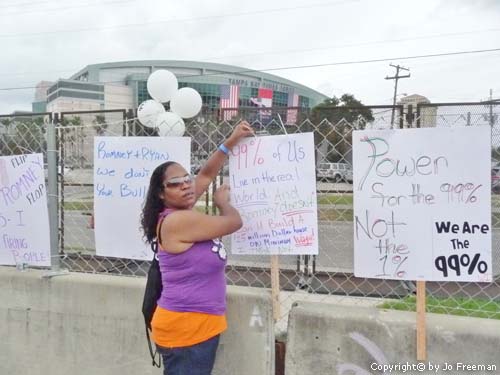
479 308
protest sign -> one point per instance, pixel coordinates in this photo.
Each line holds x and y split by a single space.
122 169
24 218
422 204
273 186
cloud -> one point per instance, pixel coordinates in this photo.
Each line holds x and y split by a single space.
259 35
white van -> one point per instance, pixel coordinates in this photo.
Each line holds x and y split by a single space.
338 172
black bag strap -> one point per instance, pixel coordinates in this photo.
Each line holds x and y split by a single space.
158 236
154 247
155 361
153 354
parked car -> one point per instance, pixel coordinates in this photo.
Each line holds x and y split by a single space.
495 180
338 172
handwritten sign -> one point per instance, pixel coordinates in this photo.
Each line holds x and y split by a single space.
422 204
122 170
273 186
24 217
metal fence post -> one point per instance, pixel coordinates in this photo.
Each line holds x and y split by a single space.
409 116
52 195
401 117
418 115
326 275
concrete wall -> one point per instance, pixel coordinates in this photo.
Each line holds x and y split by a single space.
118 96
65 104
332 339
92 324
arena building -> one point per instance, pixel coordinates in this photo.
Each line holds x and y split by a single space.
120 85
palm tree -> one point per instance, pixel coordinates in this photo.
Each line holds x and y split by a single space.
100 124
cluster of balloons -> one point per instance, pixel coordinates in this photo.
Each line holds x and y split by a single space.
184 103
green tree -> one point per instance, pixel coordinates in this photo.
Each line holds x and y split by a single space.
22 136
4 136
100 124
334 121
73 135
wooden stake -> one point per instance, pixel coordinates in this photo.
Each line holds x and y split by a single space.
275 286
421 328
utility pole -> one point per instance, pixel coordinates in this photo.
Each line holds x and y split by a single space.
396 78
492 118
492 122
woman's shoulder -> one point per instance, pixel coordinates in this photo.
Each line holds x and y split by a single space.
181 217
184 213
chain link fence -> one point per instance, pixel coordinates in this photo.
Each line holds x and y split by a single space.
325 277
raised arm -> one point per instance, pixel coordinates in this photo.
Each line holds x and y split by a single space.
213 165
189 226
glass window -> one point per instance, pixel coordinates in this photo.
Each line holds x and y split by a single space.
280 99
142 92
303 102
81 86
81 95
52 89
246 93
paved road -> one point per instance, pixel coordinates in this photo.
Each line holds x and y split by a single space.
335 240
333 276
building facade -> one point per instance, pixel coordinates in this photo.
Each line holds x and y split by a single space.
427 118
122 85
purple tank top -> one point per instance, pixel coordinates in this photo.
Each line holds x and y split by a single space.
194 280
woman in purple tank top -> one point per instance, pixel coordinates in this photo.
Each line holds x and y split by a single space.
190 255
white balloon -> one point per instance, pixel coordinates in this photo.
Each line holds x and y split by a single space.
148 111
170 124
162 85
186 102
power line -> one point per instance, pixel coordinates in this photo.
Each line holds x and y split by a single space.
422 37
15 5
59 9
203 18
39 72
352 62
298 50
306 66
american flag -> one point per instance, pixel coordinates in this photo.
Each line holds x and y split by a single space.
229 99
291 114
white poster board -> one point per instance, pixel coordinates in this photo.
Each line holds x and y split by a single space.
122 169
273 186
24 217
422 204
